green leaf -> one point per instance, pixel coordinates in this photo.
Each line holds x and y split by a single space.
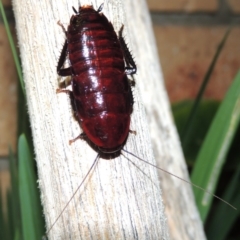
213 153
200 126
14 208
186 132
17 235
13 48
32 223
218 227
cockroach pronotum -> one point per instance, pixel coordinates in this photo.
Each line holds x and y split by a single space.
101 95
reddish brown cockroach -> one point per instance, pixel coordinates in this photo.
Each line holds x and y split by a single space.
101 95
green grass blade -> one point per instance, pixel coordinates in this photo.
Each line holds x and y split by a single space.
17 235
13 48
14 199
215 147
204 116
3 227
32 223
218 227
10 227
186 132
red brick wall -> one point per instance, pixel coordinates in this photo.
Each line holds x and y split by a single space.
187 34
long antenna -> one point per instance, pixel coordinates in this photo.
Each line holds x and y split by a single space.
60 214
196 186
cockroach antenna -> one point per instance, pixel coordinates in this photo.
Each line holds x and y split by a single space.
74 9
75 192
194 185
100 7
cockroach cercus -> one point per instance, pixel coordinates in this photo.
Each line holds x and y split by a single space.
101 95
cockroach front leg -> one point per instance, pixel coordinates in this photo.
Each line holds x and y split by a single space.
63 28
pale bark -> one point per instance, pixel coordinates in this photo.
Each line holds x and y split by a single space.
118 200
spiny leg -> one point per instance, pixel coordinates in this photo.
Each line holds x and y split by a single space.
63 71
131 66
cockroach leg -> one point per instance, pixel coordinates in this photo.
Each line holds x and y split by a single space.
65 71
131 82
71 96
82 136
130 70
65 83
131 65
133 132
63 91
63 28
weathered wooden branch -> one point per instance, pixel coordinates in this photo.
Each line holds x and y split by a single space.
182 216
120 199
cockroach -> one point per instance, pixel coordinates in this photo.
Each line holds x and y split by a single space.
101 95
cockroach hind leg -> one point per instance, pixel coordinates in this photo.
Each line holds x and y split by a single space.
131 67
82 136
63 71
130 70
133 132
